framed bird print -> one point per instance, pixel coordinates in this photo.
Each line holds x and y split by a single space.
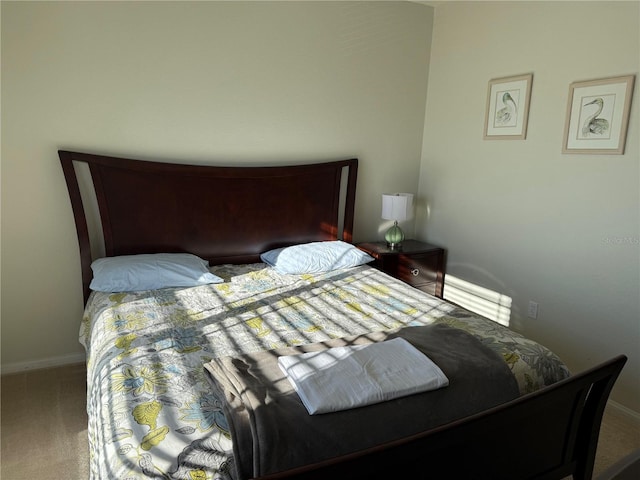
598 116
508 108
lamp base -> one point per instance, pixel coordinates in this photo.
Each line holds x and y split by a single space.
394 237
394 246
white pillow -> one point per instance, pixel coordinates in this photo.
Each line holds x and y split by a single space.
130 273
315 257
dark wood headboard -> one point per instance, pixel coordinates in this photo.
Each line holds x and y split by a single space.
222 214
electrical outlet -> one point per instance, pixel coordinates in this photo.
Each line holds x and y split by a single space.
533 309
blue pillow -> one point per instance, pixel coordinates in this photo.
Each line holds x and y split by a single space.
131 273
315 257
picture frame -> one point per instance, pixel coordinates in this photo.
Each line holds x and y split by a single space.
507 111
598 116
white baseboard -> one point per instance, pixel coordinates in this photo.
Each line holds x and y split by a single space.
622 411
43 363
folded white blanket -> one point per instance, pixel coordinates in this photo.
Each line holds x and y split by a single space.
340 378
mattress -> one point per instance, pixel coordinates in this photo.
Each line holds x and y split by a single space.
151 411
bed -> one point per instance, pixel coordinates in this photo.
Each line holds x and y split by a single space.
155 411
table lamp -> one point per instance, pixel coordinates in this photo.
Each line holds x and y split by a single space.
397 207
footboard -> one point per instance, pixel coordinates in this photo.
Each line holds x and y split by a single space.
549 434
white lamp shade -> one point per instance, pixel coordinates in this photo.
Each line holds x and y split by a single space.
397 206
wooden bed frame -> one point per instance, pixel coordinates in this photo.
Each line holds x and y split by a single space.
232 214
221 214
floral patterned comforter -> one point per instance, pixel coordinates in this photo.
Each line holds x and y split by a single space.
151 411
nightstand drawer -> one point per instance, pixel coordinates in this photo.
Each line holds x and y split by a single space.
419 264
418 270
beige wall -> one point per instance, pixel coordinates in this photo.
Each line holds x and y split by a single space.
224 82
519 217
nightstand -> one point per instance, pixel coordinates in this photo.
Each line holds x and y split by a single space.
419 264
